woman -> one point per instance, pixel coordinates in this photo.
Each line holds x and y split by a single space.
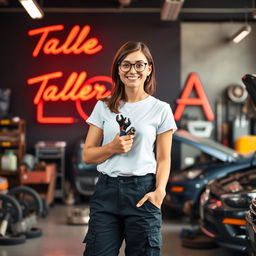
131 187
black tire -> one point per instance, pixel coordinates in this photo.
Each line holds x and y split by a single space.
12 240
198 240
29 200
9 205
46 208
34 233
250 251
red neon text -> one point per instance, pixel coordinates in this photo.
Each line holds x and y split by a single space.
184 100
75 42
76 88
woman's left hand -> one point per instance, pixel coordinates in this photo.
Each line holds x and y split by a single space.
156 197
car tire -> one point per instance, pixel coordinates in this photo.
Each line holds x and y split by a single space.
250 252
34 233
12 240
197 240
29 200
46 208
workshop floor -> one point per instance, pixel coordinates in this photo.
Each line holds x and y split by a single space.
60 239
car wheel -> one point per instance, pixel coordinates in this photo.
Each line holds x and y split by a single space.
29 200
34 233
12 240
46 208
250 253
195 239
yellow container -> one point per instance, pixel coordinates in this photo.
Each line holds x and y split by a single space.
246 144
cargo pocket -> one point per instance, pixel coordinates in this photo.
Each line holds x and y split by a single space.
89 241
154 243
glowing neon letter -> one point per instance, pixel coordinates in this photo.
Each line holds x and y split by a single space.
44 31
75 89
76 37
193 81
51 120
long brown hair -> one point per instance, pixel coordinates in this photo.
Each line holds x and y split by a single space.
118 92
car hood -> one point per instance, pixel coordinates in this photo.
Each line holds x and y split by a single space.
207 146
249 81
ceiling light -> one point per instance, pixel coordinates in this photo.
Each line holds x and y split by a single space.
241 34
4 2
124 2
170 9
33 8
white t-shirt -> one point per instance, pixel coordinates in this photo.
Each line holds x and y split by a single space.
149 117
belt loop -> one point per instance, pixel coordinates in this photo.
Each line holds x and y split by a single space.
103 177
136 181
106 178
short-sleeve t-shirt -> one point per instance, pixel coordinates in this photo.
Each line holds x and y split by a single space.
149 117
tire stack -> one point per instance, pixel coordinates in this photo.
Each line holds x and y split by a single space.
19 210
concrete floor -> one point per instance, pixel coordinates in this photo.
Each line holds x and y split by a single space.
60 239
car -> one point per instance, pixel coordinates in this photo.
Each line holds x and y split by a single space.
251 228
185 187
223 208
85 175
250 83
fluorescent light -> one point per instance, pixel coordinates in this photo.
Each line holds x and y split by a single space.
124 3
4 2
33 8
171 9
241 34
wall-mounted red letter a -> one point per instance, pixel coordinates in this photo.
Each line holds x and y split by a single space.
193 81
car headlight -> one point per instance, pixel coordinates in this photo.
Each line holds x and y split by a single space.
238 200
192 174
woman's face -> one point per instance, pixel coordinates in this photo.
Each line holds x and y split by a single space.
134 76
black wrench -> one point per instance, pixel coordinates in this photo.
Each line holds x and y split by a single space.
124 123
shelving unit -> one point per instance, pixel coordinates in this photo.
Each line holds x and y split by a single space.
43 181
12 137
54 152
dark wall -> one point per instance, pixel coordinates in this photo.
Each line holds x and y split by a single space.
112 30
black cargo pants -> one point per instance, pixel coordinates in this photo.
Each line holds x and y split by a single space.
114 217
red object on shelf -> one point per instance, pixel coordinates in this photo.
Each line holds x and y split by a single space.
38 176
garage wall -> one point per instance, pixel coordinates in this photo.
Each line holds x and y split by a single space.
112 30
218 62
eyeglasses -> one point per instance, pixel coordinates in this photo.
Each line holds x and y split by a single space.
126 66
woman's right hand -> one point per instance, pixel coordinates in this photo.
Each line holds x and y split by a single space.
122 144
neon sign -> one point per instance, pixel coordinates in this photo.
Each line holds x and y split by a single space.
184 100
75 42
76 89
